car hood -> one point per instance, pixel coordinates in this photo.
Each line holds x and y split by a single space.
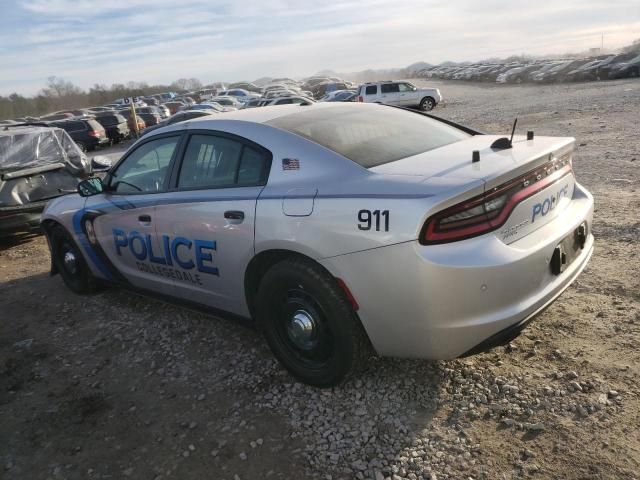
494 167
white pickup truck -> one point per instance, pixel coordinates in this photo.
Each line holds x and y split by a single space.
403 94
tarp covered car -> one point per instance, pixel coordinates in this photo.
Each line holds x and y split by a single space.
36 165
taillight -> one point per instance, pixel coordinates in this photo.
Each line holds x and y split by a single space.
360 99
489 211
96 133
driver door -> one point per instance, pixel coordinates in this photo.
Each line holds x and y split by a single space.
408 95
123 216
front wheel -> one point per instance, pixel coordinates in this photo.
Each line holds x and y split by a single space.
309 323
427 104
70 263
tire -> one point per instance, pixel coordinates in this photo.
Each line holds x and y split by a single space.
427 103
70 263
309 323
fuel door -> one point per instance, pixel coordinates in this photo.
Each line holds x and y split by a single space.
298 202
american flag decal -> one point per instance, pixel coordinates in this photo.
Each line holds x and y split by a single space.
290 164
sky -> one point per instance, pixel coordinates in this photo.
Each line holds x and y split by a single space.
158 41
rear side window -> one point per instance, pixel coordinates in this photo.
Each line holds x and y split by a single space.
109 120
215 161
389 88
370 136
371 90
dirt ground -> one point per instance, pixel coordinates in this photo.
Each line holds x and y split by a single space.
115 385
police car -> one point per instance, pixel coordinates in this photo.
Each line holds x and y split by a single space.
337 227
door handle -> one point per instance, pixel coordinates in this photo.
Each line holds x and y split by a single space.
234 215
144 218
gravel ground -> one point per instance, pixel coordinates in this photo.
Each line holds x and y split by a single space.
117 386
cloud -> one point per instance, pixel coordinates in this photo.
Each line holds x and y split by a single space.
157 41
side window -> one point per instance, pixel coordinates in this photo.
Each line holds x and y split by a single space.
284 101
405 87
210 161
146 168
253 167
389 88
371 90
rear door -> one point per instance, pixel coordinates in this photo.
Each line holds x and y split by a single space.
390 93
207 221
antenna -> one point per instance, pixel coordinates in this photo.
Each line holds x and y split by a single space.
513 131
503 143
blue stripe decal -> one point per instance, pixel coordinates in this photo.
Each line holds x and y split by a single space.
84 241
124 204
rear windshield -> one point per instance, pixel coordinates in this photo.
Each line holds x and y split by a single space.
370 136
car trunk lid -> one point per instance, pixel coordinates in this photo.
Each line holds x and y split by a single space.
534 177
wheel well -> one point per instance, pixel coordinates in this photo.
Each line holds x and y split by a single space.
428 96
259 265
47 227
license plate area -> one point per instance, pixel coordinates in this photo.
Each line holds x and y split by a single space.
568 249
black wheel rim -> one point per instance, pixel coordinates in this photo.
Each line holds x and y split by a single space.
301 328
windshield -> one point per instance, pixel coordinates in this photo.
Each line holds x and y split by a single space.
370 136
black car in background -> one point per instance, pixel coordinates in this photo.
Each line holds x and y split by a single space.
626 69
115 125
180 117
87 133
150 119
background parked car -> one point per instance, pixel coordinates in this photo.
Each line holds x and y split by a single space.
130 122
87 133
42 163
115 125
627 69
174 106
403 94
180 117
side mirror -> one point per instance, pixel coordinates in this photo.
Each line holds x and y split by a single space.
90 186
101 163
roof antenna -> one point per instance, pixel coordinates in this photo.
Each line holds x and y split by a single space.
504 142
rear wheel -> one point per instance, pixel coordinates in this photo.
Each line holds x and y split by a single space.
309 324
427 104
70 263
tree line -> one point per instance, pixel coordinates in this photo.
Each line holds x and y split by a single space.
60 94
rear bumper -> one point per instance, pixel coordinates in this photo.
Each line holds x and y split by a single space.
445 301
22 218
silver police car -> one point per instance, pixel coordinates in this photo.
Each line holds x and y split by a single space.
337 227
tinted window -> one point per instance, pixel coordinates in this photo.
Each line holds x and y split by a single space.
212 161
370 136
371 90
253 167
389 88
145 169
109 120
284 101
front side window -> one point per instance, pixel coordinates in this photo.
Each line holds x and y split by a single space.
406 87
146 168
214 162
389 88
371 90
